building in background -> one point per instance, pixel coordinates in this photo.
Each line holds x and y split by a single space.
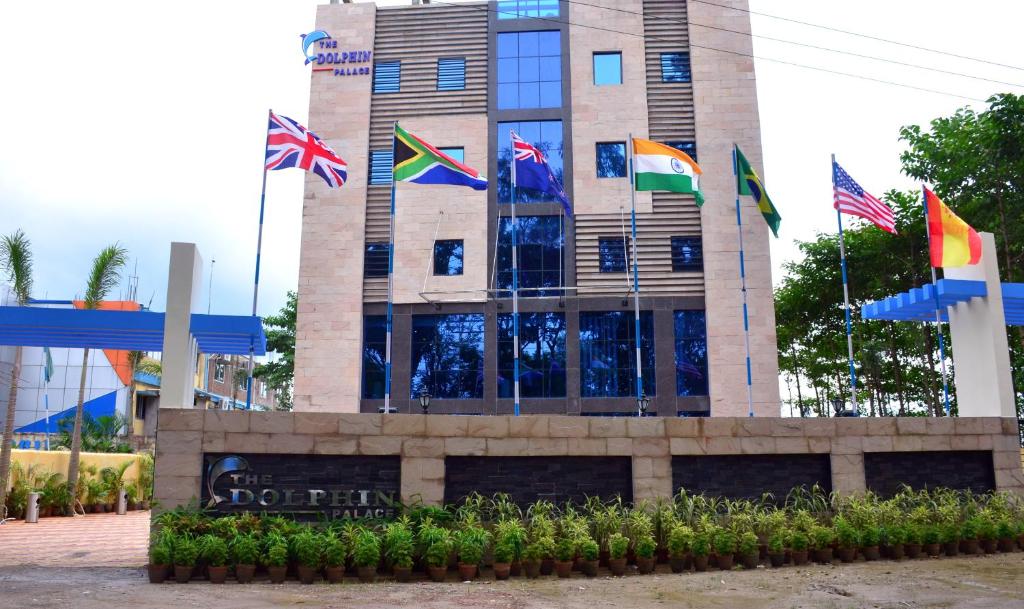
223 380
575 80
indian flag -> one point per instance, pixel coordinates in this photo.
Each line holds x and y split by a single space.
661 167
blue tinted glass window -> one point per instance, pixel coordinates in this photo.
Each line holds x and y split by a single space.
612 254
691 353
448 257
459 153
381 162
375 259
608 68
374 345
529 70
690 148
540 247
451 74
387 76
448 356
611 160
687 254
547 137
541 355
608 354
525 9
675 67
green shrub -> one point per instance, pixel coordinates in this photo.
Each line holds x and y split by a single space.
777 541
617 545
438 548
748 544
214 550
895 534
398 544
870 536
680 538
701 544
333 551
589 549
504 552
1004 529
949 532
513 533
822 537
245 550
725 542
565 549
645 546
846 534
276 554
366 549
186 552
471 543
929 534
306 548
539 549
160 553
913 533
798 541
969 529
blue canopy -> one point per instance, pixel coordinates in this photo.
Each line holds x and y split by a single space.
919 303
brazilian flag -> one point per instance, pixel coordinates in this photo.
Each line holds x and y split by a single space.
748 183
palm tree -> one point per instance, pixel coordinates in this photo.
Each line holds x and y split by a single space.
16 261
104 276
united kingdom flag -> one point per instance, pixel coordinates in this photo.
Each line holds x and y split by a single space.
289 144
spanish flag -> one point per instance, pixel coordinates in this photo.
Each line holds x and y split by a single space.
953 242
748 183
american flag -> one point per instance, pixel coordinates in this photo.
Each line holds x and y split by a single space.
851 199
289 144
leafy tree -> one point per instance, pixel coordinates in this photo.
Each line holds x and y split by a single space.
280 330
16 262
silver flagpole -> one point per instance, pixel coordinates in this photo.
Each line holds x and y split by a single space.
259 247
938 308
391 282
743 285
846 299
636 284
515 283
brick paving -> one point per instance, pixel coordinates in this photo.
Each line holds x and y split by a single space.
94 540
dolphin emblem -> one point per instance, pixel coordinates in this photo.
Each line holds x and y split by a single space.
309 40
218 469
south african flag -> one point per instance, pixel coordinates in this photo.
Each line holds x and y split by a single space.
419 162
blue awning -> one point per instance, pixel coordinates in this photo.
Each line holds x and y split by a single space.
125 330
919 303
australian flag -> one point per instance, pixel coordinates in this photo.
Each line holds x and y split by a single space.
532 171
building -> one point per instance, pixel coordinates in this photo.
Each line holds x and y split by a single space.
575 79
223 382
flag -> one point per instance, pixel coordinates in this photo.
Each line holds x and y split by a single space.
419 162
48 365
851 199
289 144
952 241
660 167
532 171
747 183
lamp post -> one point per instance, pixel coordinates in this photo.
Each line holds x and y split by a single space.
642 404
424 401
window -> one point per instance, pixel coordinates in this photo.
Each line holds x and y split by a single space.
691 353
613 256
541 355
547 137
375 260
451 74
675 67
448 356
387 76
381 162
608 68
611 160
263 390
375 338
243 384
459 153
218 373
687 254
448 257
690 148
523 9
608 354
541 241
529 70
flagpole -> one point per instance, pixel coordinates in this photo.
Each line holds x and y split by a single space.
391 282
636 283
46 394
259 248
938 308
846 299
515 283
743 285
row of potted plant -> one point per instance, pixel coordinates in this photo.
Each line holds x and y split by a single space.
97 489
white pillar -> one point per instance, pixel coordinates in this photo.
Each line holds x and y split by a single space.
981 355
184 279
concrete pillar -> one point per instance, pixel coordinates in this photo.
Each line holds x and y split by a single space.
981 356
179 353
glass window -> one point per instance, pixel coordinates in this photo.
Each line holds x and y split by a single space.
457 153
613 256
529 70
608 354
547 137
448 356
263 390
691 353
611 160
608 68
375 259
381 162
375 341
451 74
540 246
541 355
448 257
524 9
218 373
675 67
690 148
386 76
687 254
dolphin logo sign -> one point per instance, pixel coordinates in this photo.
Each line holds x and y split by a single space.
218 469
310 39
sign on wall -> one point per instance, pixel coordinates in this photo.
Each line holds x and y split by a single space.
306 486
321 50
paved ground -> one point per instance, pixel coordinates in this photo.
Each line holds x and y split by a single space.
94 540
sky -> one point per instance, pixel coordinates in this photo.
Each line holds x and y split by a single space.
143 123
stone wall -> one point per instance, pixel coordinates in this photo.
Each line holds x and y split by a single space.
423 442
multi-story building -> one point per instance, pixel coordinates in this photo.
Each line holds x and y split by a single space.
576 80
224 383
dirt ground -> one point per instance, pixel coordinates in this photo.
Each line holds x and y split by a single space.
978 582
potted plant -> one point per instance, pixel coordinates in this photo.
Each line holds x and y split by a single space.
276 559
533 554
645 548
777 548
798 542
1005 533
988 534
701 548
618 545
822 538
159 561
308 558
512 532
398 549
590 552
214 552
896 535
749 551
870 536
186 552
949 536
725 547
334 555
503 554
913 535
470 544
848 539
969 536
680 539
245 551
436 553
930 538
366 555
565 553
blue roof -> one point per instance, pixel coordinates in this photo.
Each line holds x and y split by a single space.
125 330
919 303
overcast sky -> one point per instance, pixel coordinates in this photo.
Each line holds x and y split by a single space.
143 123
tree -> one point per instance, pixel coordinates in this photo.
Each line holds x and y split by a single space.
103 277
280 330
16 261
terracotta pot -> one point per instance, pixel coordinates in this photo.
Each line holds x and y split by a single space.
662 555
951 548
402 574
467 572
823 555
547 566
750 560
724 562
700 562
516 568
367 574
989 545
532 568
603 557
145 505
677 564
969 546
307 575
438 574
617 566
502 570
777 559
335 574
645 565
277 574
590 568
1007 544
872 553
563 568
217 575
799 557
157 573
931 549
244 573
896 551
762 551
913 550
182 574
847 554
